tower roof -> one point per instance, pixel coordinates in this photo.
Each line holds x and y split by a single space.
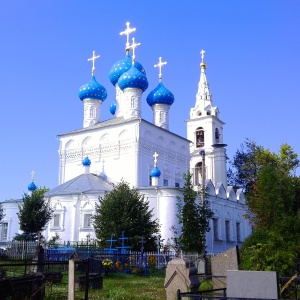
160 95
93 90
121 67
133 78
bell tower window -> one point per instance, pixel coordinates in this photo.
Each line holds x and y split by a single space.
199 137
217 136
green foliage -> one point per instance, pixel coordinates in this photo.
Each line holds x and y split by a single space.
34 213
246 164
125 209
193 215
273 200
268 252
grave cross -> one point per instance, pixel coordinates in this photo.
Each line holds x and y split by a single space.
160 64
111 241
127 32
123 247
93 58
142 242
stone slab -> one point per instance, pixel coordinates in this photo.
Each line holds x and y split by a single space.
252 284
227 260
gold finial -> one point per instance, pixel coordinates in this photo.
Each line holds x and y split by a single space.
203 64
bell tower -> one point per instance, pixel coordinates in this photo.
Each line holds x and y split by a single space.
205 130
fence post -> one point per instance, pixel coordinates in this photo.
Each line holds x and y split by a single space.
71 279
87 279
178 295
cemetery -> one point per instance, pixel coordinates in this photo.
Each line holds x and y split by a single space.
84 271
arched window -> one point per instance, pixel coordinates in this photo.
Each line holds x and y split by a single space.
197 173
208 113
199 137
217 135
92 112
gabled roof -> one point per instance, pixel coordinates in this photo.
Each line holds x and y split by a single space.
84 183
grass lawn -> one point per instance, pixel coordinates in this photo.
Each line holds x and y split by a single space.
122 286
118 286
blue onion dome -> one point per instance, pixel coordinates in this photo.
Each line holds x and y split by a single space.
113 107
160 95
86 162
121 67
31 187
93 90
133 79
155 172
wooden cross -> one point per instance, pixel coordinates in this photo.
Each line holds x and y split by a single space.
159 65
93 60
127 32
133 46
155 155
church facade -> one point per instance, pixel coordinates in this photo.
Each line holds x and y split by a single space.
144 154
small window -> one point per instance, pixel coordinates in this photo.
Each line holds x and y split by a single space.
56 220
227 229
238 232
216 228
87 220
208 113
177 184
166 182
4 231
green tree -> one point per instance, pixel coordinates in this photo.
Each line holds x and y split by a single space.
125 209
246 164
34 214
273 201
193 215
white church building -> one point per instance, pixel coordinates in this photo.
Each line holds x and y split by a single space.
145 154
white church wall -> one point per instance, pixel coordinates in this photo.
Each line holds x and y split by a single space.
10 223
108 152
173 151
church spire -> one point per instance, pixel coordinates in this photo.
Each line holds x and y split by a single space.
203 87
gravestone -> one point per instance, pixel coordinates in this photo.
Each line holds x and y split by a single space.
181 274
228 260
252 284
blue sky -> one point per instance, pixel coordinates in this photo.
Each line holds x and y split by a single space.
253 68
